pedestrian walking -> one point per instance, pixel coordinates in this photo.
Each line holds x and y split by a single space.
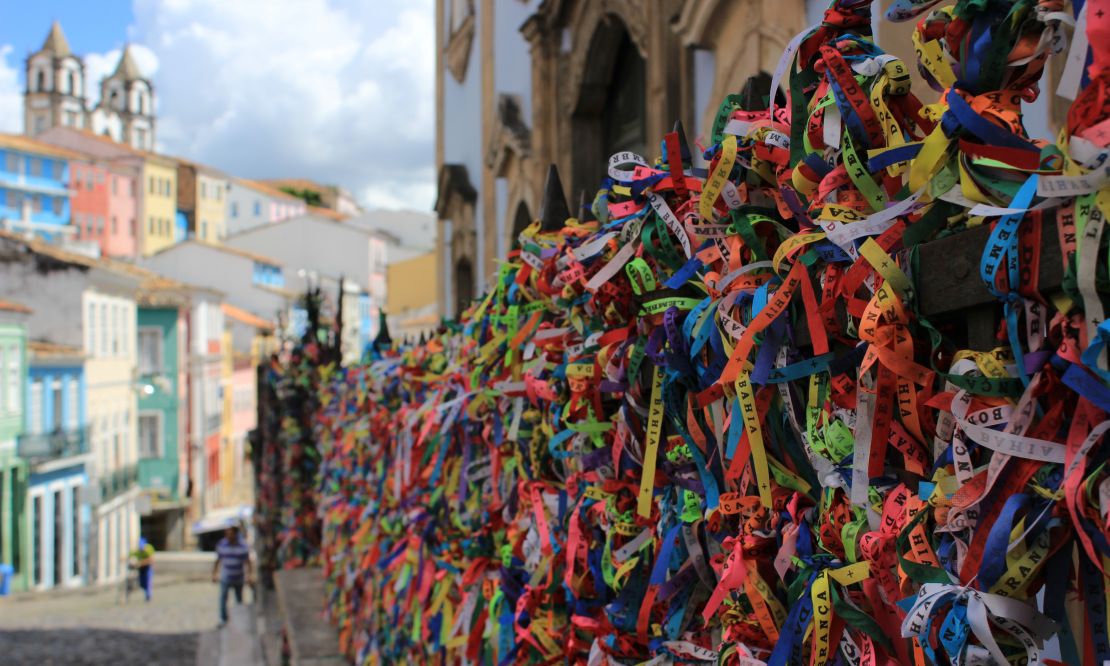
232 568
143 559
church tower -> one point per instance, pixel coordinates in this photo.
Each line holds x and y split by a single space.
126 108
55 94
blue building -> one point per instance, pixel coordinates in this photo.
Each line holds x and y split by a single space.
34 186
55 445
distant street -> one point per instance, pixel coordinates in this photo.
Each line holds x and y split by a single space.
89 627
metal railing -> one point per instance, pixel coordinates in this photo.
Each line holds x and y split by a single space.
118 482
48 446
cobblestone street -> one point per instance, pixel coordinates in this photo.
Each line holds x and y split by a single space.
89 627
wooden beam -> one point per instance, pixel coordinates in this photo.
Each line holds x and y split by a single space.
948 270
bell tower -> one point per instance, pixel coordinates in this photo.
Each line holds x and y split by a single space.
55 93
126 108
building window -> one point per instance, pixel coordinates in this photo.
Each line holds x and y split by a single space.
257 208
73 88
35 411
12 163
235 209
14 371
104 329
36 203
625 118
40 81
464 285
115 226
150 186
57 406
75 526
36 541
90 330
150 350
71 403
150 434
57 205
204 230
203 190
115 186
134 231
59 167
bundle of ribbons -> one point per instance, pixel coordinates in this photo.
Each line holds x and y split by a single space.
285 451
706 419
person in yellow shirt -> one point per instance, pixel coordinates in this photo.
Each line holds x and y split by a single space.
143 558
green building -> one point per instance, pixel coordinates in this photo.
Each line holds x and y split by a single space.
161 423
13 470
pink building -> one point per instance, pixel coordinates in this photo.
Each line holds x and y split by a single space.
104 207
243 414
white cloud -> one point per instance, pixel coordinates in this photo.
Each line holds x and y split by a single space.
11 94
339 91
100 65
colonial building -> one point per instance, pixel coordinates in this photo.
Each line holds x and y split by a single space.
92 311
521 85
252 204
201 201
55 445
35 197
154 189
57 95
319 250
13 469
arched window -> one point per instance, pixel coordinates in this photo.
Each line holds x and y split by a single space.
520 222
624 122
41 81
464 285
113 99
609 108
73 85
141 102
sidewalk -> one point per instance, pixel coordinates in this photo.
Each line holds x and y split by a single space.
234 644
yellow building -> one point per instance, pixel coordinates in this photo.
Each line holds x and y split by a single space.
202 199
159 208
412 307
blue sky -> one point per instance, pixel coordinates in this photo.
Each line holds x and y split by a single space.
91 27
339 91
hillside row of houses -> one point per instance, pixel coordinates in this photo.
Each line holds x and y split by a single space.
125 407
139 294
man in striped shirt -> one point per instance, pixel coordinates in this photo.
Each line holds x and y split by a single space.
232 569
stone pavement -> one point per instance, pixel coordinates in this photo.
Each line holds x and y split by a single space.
88 627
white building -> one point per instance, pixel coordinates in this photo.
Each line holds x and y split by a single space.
57 95
251 204
319 250
251 281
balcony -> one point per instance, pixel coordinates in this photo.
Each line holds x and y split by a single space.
50 446
118 481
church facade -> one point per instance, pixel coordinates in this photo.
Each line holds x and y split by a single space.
57 96
522 84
